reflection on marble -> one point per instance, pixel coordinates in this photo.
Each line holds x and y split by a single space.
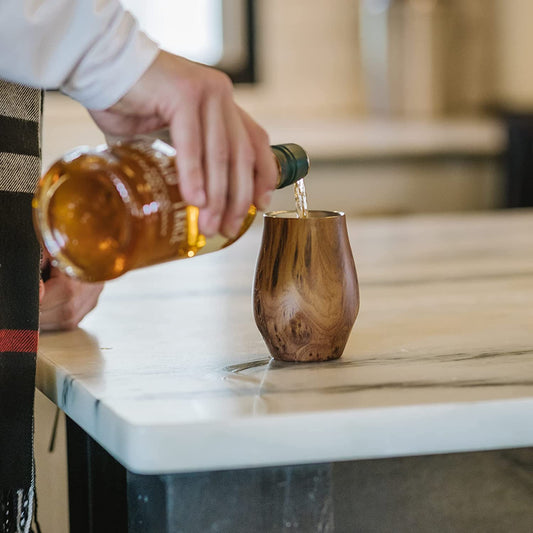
170 374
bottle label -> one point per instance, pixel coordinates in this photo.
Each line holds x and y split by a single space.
172 224
179 223
159 193
156 161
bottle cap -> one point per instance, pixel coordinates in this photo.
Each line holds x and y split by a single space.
293 163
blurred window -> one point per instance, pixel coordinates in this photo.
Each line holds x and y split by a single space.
214 32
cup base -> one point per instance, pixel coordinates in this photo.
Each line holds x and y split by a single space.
305 358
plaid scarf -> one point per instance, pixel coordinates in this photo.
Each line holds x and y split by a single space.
20 112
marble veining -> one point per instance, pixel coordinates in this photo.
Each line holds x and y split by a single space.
170 374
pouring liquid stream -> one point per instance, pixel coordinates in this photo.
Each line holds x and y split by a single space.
300 199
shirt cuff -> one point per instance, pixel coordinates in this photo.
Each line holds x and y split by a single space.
113 65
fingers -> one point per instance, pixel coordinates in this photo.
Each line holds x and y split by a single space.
41 290
241 173
216 165
185 130
238 164
214 153
65 302
266 172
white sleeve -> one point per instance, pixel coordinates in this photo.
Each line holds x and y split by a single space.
92 50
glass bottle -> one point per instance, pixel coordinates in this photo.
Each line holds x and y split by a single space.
104 211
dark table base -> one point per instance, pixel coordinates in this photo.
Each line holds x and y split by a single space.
469 492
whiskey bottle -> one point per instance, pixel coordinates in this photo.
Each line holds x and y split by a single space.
104 211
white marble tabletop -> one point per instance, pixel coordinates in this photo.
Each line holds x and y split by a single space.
170 374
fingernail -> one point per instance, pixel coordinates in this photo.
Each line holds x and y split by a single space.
265 200
230 231
199 198
235 229
210 225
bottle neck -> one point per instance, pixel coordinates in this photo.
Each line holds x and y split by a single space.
293 163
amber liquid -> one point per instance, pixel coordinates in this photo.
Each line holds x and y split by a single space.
104 212
300 199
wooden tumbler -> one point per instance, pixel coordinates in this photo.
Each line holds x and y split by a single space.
306 294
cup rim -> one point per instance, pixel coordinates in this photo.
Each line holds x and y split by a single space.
316 214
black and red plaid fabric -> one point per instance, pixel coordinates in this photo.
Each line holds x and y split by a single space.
20 111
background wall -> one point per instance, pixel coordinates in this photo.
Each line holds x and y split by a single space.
514 40
308 61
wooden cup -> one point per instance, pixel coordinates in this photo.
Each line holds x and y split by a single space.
306 294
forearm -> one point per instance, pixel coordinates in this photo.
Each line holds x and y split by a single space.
92 50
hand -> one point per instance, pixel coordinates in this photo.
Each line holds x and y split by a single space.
223 157
65 301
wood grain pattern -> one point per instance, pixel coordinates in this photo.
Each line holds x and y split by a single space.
306 294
